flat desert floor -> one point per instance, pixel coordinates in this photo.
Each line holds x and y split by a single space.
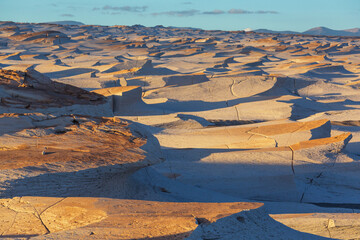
130 132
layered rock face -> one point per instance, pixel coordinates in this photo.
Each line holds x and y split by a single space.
55 154
31 89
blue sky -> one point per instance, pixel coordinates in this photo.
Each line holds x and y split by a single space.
207 14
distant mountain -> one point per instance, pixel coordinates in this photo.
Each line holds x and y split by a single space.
190 28
322 31
66 23
353 30
271 31
331 32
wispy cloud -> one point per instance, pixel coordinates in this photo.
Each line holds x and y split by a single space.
214 12
266 12
67 15
114 9
239 11
193 12
242 11
183 13
187 3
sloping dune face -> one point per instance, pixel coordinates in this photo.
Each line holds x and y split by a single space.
130 132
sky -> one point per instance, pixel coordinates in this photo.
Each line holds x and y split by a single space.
295 15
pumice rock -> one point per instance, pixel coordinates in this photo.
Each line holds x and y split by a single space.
134 132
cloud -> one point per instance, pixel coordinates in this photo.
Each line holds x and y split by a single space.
241 11
214 12
122 8
187 3
183 13
193 12
67 15
266 12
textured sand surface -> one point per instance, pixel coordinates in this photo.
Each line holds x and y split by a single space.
128 132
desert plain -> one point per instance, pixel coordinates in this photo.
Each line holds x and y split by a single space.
133 132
